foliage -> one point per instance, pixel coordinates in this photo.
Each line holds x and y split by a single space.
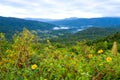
92 33
26 59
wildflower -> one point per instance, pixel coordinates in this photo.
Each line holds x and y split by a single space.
32 37
92 47
100 64
61 57
0 63
7 51
90 55
48 41
75 59
34 66
108 59
100 51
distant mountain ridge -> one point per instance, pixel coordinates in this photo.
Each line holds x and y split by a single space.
40 19
79 27
95 22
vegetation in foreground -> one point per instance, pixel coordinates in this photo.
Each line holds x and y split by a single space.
24 58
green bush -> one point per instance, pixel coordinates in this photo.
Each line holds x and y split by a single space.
27 60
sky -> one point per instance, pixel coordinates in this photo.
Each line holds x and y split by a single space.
59 9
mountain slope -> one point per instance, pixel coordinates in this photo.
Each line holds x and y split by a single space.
9 25
94 33
40 19
89 34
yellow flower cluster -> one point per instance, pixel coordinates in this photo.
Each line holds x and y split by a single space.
34 66
108 59
100 51
90 55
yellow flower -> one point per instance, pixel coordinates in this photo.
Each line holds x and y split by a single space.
75 59
34 66
100 51
7 51
90 55
108 59
48 41
61 57
0 63
92 46
100 64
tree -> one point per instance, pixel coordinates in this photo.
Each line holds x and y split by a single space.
2 43
22 47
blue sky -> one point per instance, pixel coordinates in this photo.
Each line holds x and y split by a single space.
58 9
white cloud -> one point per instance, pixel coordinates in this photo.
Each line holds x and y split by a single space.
11 11
59 28
59 8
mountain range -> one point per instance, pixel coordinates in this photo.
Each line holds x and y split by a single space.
41 19
92 22
83 22
77 24
83 27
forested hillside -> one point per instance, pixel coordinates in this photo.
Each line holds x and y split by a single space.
10 25
89 34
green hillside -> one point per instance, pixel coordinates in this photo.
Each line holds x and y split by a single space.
10 25
89 34
107 41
